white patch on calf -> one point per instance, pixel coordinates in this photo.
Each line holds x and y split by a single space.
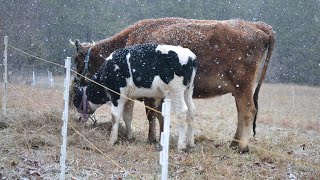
109 57
183 53
94 107
117 112
134 92
128 62
129 80
116 67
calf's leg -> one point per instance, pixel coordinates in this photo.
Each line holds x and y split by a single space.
116 112
127 117
180 108
189 118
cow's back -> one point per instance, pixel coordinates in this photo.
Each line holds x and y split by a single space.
228 52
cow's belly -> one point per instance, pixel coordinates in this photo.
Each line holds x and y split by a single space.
212 86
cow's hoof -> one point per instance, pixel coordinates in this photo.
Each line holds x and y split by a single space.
152 141
234 145
244 150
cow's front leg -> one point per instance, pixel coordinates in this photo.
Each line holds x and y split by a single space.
127 116
116 112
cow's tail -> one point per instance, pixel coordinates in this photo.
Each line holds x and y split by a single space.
268 30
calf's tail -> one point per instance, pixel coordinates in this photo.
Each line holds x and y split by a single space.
191 87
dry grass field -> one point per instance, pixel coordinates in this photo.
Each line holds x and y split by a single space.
286 146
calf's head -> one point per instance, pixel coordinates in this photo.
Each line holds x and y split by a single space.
81 102
89 98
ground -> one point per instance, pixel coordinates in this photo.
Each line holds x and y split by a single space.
286 145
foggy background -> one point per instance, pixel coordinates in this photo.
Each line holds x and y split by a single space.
43 28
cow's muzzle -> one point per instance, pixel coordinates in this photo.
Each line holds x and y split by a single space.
84 108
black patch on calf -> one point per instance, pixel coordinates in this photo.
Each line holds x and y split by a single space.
78 96
146 64
97 94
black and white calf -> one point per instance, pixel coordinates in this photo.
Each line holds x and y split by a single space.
145 70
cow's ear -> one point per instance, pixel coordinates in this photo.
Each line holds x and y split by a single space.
78 45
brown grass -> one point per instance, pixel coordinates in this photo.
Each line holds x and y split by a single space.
287 139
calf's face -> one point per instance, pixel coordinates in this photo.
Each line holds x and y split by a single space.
89 98
78 97
81 103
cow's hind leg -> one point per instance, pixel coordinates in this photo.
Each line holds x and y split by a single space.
246 113
152 115
159 117
127 117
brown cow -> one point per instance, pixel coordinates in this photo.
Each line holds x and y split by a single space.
229 55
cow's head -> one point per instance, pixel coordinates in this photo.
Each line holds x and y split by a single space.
83 51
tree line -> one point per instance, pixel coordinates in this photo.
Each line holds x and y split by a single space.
43 28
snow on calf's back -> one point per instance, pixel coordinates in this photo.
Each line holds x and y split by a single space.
183 53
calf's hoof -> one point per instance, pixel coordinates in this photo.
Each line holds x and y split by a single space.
131 140
113 142
186 150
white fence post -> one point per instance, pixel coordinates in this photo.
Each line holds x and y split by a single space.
50 79
65 119
164 154
33 83
293 100
5 76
